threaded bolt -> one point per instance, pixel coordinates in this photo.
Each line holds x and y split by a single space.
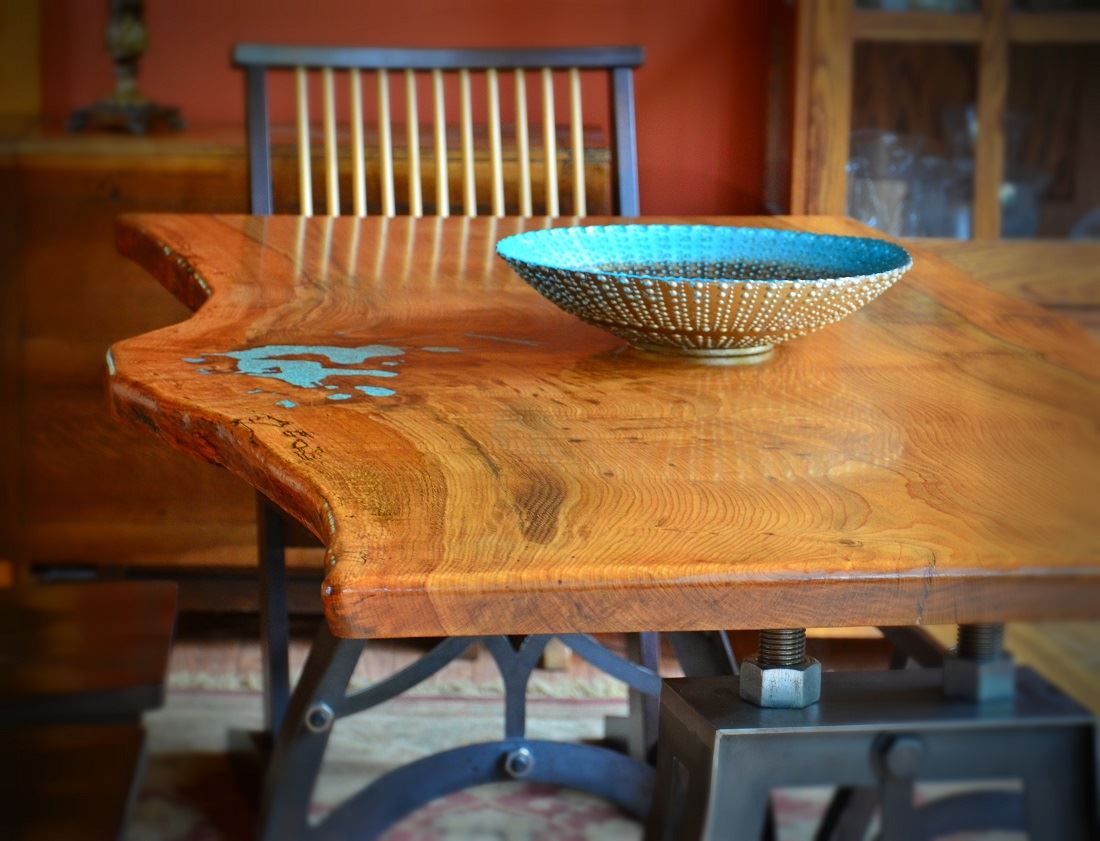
981 643
779 647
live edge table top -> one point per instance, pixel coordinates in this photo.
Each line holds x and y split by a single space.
477 461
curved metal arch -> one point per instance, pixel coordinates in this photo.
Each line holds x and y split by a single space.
422 669
637 677
604 773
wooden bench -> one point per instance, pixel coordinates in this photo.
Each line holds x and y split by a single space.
89 652
68 781
79 665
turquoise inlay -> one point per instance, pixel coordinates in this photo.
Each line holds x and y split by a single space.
255 391
438 349
195 360
376 391
273 362
278 362
110 364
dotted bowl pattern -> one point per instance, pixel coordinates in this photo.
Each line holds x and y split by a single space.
704 289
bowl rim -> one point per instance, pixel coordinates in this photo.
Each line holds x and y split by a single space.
903 260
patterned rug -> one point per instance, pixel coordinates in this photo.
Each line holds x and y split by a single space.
197 789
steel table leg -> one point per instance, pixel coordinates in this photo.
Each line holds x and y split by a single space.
274 616
320 698
645 650
303 736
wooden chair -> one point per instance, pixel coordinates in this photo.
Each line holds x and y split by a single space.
434 180
410 65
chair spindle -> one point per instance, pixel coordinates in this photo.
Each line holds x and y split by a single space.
412 137
495 156
469 188
523 145
442 200
549 142
332 171
358 155
305 175
385 140
576 127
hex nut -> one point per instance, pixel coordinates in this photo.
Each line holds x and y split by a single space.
781 687
973 680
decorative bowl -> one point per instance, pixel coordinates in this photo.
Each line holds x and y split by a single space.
704 290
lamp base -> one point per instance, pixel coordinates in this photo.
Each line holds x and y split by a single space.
133 117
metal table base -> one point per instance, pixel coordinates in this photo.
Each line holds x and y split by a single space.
720 757
320 698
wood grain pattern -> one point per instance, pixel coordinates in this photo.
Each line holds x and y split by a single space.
933 458
1063 276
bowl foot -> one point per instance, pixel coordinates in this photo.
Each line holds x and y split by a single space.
705 353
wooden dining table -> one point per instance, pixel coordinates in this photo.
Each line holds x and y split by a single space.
478 463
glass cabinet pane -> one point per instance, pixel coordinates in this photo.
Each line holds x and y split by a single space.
910 163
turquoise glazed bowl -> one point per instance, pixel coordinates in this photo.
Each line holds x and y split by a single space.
704 290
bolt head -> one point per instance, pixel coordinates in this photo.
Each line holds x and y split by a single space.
781 687
902 757
519 763
319 718
971 680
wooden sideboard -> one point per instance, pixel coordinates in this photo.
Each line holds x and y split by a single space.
82 494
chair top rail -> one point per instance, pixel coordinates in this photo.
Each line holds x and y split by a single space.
397 58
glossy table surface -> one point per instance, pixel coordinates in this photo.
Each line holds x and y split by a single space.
477 461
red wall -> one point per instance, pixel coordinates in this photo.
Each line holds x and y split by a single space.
700 95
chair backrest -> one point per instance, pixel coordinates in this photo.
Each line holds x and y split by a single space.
617 62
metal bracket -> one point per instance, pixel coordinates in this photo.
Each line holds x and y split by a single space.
876 730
